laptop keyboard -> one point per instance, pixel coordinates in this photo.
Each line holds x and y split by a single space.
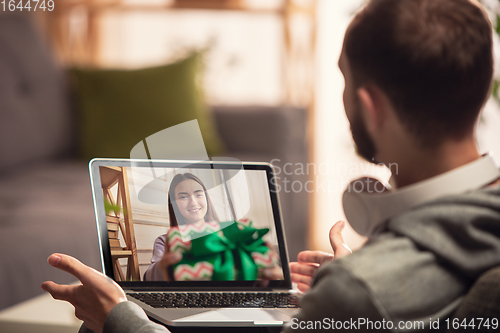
218 300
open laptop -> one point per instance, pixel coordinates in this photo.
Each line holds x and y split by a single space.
134 216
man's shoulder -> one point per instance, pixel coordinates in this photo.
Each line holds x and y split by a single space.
387 253
432 230
401 278
454 208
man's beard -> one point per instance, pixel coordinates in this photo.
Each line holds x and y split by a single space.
364 143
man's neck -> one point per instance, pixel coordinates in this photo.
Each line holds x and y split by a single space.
419 164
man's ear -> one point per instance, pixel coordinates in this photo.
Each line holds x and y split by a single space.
372 104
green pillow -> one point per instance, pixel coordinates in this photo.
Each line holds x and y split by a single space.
119 108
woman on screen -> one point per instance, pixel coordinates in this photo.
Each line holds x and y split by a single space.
188 202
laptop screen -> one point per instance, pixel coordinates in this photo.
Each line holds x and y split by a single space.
221 220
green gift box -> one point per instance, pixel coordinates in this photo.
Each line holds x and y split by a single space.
220 251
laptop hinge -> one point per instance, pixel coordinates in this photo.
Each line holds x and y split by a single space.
214 289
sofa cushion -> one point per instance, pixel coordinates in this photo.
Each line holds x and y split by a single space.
119 108
35 119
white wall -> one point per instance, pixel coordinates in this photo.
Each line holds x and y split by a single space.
243 61
334 149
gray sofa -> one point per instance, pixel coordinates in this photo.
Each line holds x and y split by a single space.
45 197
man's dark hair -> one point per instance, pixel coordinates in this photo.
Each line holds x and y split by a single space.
433 58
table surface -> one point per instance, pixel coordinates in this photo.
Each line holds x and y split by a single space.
40 314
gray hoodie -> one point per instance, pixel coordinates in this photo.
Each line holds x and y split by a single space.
414 274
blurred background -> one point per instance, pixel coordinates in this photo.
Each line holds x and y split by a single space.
258 52
269 73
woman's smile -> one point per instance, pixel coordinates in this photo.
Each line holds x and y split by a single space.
191 200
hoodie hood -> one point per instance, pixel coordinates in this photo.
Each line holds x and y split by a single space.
463 231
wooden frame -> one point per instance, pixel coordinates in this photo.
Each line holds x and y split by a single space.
119 219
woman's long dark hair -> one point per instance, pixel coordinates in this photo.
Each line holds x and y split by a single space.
175 215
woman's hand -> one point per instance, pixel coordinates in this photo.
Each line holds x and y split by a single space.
309 262
272 273
168 259
93 299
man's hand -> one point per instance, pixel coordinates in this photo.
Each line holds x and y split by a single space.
339 247
93 299
308 263
168 259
